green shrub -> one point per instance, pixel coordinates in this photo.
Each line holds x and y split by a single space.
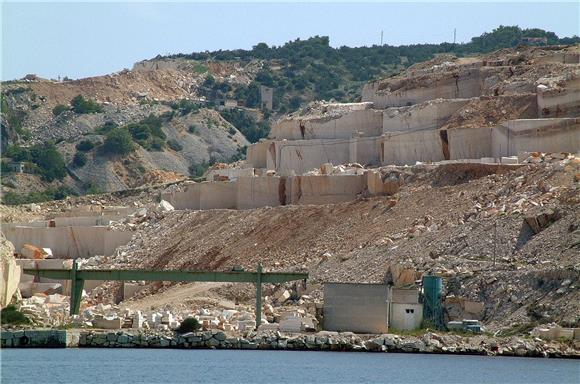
59 109
118 141
209 81
156 144
246 124
192 129
79 159
148 133
93 189
17 153
81 105
199 68
85 145
167 116
186 106
11 316
191 324
232 131
11 198
197 170
4 169
106 128
175 145
139 132
49 160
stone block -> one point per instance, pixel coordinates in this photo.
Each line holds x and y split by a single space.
282 296
104 323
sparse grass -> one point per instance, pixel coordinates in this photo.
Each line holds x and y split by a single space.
519 329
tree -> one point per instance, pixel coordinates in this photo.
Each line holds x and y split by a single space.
49 160
79 159
295 102
81 105
191 324
59 109
118 141
253 95
85 145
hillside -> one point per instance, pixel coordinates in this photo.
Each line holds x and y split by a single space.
185 112
442 221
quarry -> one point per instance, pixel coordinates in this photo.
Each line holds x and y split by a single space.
445 200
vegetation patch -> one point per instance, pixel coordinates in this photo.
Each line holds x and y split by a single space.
82 106
59 109
148 133
50 162
246 124
12 316
79 159
175 145
59 193
85 145
118 142
191 324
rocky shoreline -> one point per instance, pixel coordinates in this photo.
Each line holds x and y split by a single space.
430 342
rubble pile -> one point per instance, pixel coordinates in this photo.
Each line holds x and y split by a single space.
46 310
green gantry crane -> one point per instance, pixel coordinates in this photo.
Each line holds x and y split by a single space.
78 277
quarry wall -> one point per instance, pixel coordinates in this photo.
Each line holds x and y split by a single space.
561 102
459 84
403 148
429 115
256 154
255 192
69 242
469 142
529 135
365 122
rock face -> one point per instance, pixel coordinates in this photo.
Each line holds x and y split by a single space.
322 341
10 272
193 136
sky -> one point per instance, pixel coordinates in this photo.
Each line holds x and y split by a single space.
82 39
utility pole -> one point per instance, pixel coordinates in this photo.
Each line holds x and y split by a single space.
381 37
454 35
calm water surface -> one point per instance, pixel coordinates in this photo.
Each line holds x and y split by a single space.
89 366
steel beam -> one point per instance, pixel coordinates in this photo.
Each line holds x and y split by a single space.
259 296
78 278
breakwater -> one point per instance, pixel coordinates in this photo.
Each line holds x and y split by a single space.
438 343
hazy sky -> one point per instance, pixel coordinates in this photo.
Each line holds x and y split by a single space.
85 39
